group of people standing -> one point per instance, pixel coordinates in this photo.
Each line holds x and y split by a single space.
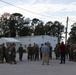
63 51
35 52
60 52
71 52
44 52
7 54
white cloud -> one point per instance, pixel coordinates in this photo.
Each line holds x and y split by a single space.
51 11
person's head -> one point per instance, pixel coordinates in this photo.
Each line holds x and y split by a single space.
45 43
42 44
3 44
29 44
21 45
48 43
58 43
34 44
62 42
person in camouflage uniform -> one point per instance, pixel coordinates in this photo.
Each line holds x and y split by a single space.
57 51
7 49
33 51
1 54
20 49
4 52
36 52
40 51
67 50
11 53
74 52
71 52
50 53
30 52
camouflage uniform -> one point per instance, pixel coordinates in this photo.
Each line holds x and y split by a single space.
71 53
57 51
11 54
74 55
41 52
7 52
33 51
37 52
4 52
20 52
30 53
50 53
1 54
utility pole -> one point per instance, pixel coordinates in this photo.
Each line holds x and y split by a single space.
66 31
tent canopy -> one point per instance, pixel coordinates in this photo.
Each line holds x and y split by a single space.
6 40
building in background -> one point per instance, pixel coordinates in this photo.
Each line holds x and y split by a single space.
38 40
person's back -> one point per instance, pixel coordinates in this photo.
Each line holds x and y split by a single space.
13 53
40 51
4 52
45 48
62 48
62 52
29 48
20 52
4 49
45 54
20 49
30 53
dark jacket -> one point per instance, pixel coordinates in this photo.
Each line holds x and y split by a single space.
62 48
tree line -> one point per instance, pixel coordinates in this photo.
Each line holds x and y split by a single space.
72 34
12 25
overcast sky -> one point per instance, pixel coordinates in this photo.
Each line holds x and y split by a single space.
49 10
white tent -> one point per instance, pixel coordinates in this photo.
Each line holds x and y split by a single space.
7 40
10 40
